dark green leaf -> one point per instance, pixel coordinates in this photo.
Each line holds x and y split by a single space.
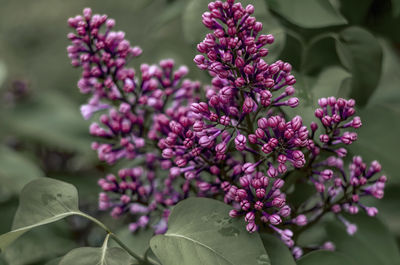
326 258
50 119
348 8
389 207
310 89
308 13
54 261
42 201
200 231
277 251
361 53
139 242
26 250
372 244
15 172
96 256
396 7
378 137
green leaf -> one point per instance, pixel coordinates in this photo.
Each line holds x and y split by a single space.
347 9
389 207
54 261
50 119
360 52
378 136
138 242
97 256
3 72
308 13
42 201
310 89
26 250
372 244
194 31
325 257
200 231
15 172
396 7
277 251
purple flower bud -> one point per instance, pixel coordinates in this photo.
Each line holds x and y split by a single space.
275 219
300 220
278 202
351 229
251 227
328 246
284 211
249 217
233 213
293 102
371 211
297 252
260 193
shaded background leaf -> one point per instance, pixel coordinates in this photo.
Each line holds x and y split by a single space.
278 252
308 13
327 257
360 52
372 244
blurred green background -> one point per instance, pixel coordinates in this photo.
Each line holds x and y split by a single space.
341 48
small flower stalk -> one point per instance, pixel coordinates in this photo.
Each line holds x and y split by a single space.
230 139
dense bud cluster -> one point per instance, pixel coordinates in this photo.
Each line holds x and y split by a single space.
237 145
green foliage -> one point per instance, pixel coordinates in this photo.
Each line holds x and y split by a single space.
372 244
202 232
138 241
308 13
98 256
62 127
327 257
277 251
396 7
15 172
53 243
360 52
42 201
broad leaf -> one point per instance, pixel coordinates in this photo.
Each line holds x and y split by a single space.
309 90
42 201
15 172
372 244
327 258
50 119
139 242
308 13
361 53
347 8
278 252
396 7
200 231
54 261
389 207
97 256
26 250
378 137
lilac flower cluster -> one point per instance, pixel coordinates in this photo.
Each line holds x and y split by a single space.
133 108
236 145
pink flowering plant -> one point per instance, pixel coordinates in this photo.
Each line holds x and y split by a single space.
220 172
